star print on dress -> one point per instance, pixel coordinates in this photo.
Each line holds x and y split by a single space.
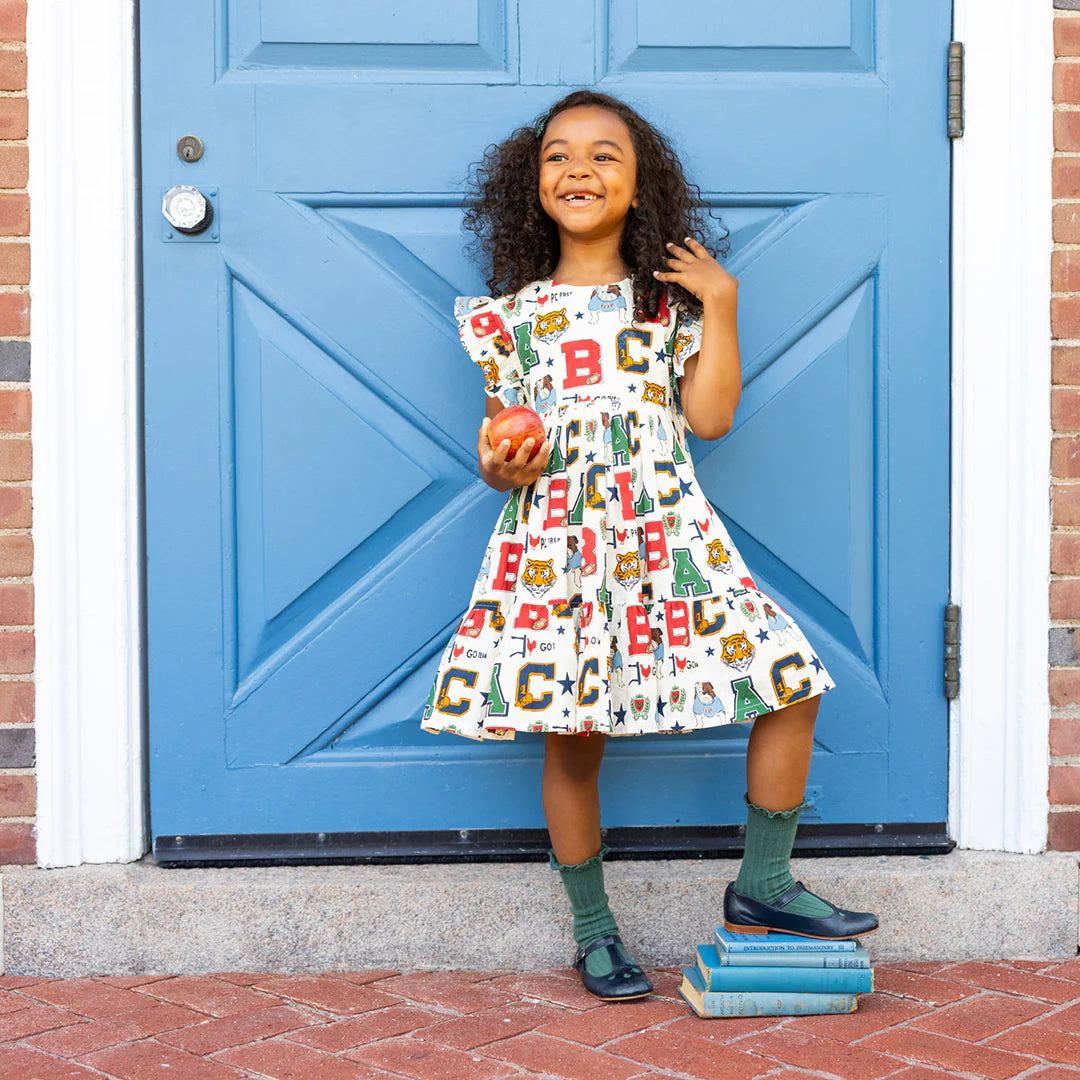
610 597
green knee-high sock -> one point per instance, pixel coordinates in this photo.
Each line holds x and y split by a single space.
766 864
589 904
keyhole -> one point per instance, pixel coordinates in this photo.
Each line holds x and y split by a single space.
189 148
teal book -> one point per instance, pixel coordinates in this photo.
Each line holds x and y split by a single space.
711 1003
857 958
773 942
803 980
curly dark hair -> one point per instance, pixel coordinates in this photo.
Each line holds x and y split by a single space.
519 243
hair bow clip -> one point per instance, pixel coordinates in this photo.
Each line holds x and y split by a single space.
540 129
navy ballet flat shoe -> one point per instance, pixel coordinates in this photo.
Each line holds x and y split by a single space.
623 983
745 915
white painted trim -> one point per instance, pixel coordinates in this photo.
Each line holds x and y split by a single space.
1000 560
87 498
87 501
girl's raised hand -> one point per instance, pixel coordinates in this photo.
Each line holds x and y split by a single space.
697 271
519 471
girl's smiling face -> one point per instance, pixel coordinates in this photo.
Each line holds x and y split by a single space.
588 149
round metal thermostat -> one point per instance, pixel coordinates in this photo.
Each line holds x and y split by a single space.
187 209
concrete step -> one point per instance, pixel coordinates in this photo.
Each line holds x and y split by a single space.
138 918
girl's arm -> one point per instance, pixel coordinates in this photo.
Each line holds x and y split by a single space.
711 383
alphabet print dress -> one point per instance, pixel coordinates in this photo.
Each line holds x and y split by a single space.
610 597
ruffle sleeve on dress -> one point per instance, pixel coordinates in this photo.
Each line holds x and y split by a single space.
685 337
488 340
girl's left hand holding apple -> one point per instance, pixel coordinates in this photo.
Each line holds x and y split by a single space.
519 471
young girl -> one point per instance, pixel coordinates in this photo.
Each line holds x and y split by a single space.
606 541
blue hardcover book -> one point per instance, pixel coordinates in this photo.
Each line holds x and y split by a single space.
774 942
819 980
709 1003
857 958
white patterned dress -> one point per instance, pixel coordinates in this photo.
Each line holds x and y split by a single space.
610 597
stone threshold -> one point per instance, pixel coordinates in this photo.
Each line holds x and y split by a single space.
140 919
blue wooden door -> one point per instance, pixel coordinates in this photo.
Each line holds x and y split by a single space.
314 518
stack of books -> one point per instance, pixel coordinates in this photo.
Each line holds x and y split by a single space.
776 974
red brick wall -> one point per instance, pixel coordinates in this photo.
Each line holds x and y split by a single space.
18 790
1064 675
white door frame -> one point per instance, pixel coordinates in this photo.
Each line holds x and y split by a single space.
88 499
86 432
999 738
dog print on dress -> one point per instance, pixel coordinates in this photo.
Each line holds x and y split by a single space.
607 298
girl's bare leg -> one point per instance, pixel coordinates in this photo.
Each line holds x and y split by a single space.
571 795
778 755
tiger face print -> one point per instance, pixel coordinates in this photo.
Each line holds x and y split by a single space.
737 650
538 575
627 568
551 324
682 342
654 392
491 374
718 556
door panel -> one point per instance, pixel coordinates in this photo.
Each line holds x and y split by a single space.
314 514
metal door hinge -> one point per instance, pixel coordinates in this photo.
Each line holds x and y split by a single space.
952 650
956 89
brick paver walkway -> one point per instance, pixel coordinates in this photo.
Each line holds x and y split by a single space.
986 1020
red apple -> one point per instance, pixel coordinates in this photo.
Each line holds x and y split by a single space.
516 423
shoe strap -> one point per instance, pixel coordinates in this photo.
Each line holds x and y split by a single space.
796 888
607 939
